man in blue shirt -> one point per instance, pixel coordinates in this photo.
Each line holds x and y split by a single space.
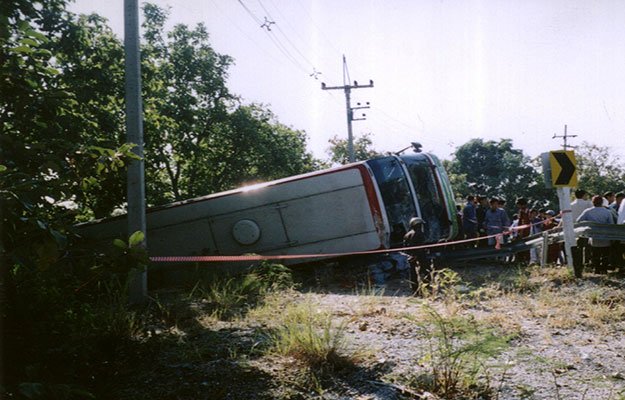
469 219
495 220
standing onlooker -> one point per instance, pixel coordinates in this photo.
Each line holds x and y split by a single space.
608 198
553 250
480 212
469 219
616 248
618 199
621 248
523 222
495 221
578 206
614 205
535 228
580 203
598 213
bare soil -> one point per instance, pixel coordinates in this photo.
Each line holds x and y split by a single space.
566 340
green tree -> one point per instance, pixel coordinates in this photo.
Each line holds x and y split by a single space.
339 154
599 170
90 59
49 153
497 169
199 137
49 141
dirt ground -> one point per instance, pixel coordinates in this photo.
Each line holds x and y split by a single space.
564 339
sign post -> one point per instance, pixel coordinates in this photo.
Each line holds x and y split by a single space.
561 173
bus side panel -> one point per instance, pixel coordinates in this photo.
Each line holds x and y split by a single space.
267 218
327 212
328 216
188 238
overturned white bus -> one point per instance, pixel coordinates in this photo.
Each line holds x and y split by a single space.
357 207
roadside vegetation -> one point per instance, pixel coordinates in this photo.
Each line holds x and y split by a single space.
265 335
68 331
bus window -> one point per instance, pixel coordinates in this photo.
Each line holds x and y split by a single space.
430 201
395 192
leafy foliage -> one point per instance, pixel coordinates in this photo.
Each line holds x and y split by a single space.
63 160
339 154
599 170
497 169
199 138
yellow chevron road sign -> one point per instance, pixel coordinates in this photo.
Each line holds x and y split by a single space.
563 168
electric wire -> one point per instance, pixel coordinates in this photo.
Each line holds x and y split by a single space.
397 120
321 33
391 122
250 38
285 35
273 38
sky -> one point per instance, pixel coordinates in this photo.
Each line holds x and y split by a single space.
444 71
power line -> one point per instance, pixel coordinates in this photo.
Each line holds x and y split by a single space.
276 41
254 17
250 38
390 117
286 36
321 33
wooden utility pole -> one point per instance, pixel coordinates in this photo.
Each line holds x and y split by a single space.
347 88
138 287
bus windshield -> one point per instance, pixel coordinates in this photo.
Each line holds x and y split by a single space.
430 199
395 192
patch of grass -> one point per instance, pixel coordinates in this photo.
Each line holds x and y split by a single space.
518 280
370 301
456 361
226 299
566 307
490 291
556 276
232 297
440 283
603 307
310 336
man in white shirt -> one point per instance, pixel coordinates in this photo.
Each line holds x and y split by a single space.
580 203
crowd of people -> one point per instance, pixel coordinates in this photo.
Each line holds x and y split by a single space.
487 218
484 222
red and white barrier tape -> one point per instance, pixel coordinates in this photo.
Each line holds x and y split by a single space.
258 257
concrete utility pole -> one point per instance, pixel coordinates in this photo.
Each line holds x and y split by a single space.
347 88
138 288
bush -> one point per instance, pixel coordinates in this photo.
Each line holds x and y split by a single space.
63 323
459 348
232 297
311 338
